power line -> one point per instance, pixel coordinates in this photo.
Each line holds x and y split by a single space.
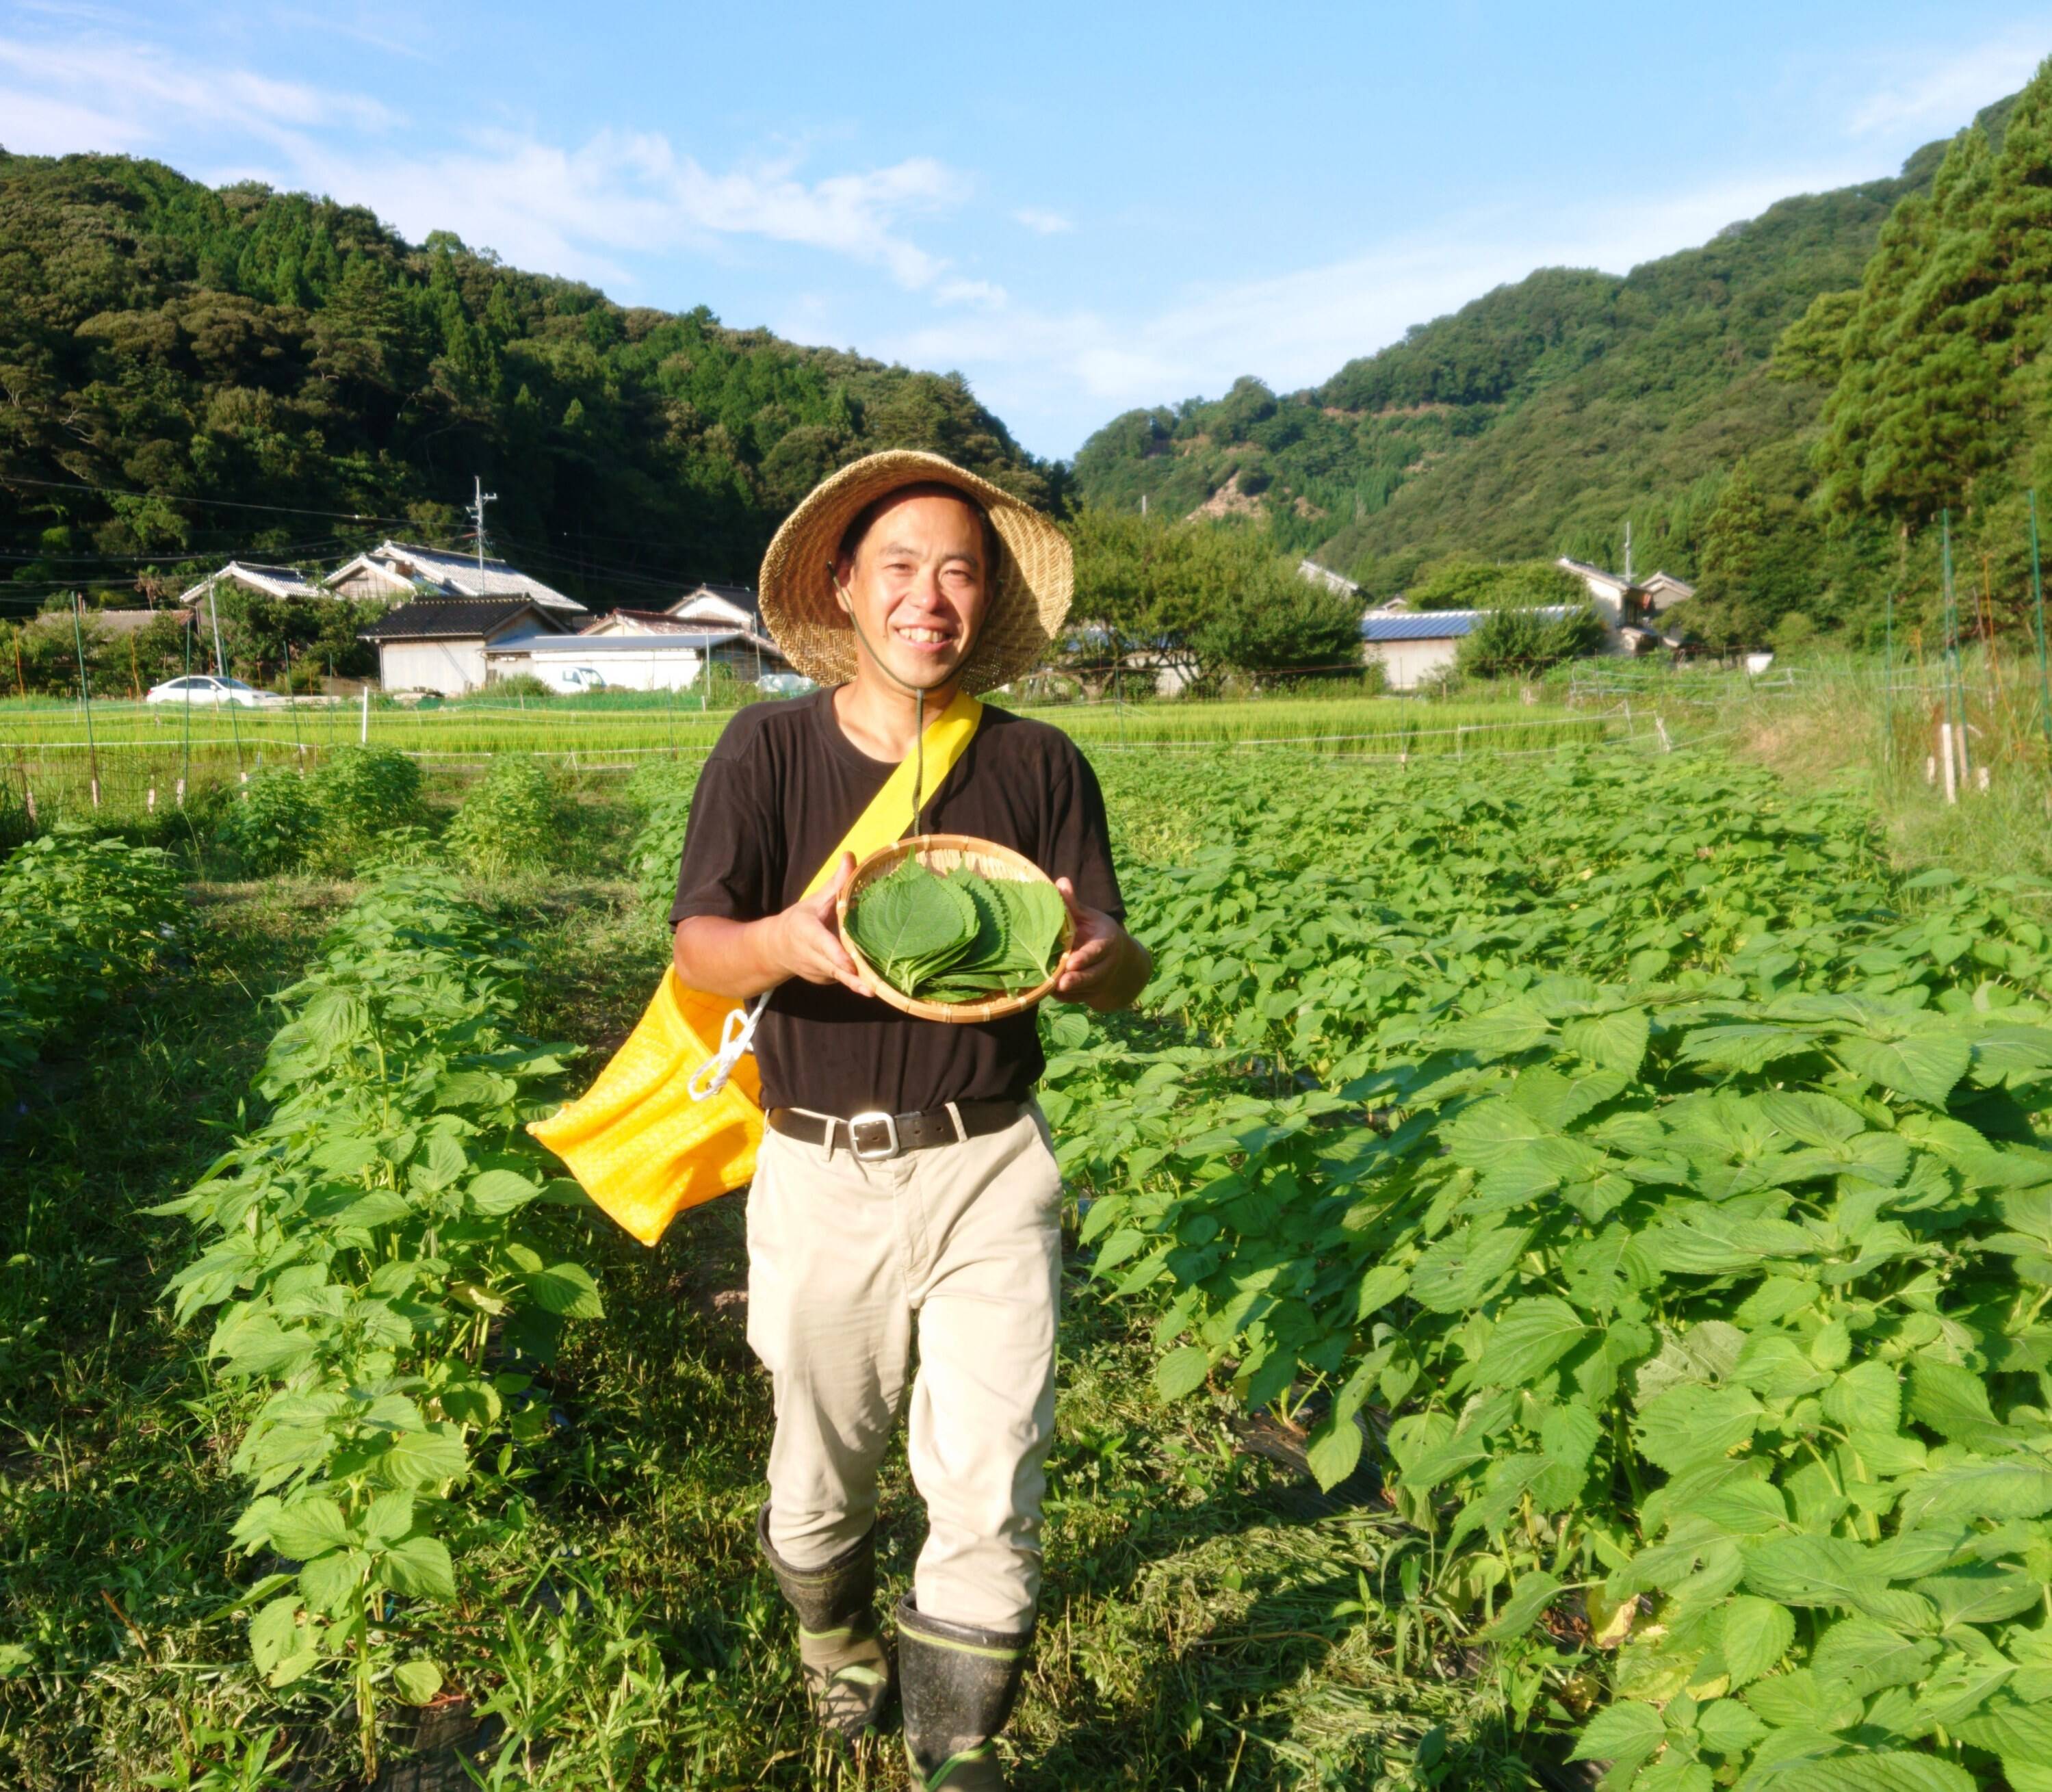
216 504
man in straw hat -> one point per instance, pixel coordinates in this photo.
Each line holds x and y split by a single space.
899 581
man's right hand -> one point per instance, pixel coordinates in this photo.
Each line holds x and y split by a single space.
741 959
808 936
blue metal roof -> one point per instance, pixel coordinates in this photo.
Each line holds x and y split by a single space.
1439 625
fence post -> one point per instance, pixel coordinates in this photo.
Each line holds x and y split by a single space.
1888 682
1952 770
2037 601
185 762
85 693
363 738
1956 693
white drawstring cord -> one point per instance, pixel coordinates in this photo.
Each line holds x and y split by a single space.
736 1035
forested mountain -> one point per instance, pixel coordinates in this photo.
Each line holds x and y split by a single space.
266 366
1539 417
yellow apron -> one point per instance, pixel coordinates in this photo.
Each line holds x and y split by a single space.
644 1144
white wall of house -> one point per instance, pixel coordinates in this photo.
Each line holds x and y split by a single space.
450 667
453 665
1408 664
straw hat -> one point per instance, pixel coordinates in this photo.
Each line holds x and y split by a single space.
1029 595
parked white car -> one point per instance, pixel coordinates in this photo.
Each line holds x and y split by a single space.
569 680
205 688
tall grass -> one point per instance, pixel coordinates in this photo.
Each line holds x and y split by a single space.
1882 726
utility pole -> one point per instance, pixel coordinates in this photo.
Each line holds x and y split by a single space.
1627 550
481 498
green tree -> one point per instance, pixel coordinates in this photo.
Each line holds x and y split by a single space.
1460 582
1275 620
1519 643
1205 598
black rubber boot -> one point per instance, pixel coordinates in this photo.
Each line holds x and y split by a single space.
958 1684
841 1652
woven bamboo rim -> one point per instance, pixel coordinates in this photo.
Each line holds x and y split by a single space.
1028 591
943 853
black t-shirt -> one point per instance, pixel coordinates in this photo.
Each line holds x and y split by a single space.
779 790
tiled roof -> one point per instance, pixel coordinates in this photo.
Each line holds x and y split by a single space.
648 622
459 575
450 618
130 622
277 582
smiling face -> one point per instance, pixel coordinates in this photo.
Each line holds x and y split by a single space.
918 582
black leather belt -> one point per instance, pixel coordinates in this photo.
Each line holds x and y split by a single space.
876 1136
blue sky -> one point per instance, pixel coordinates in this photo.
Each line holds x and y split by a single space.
1083 207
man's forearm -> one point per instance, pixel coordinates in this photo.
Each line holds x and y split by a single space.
738 959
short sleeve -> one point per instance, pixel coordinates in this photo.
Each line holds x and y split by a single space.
1079 846
726 868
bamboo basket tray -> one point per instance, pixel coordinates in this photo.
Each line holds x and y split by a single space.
943 853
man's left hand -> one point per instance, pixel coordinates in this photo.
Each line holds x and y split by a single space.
1106 968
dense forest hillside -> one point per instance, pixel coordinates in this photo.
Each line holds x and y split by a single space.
267 367
1539 417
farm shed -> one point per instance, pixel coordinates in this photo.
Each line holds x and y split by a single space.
439 643
1415 646
399 572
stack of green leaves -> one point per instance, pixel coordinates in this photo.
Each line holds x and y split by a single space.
956 937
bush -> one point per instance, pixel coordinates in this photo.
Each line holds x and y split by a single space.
1515 643
507 822
364 794
82 917
522 686
661 790
273 824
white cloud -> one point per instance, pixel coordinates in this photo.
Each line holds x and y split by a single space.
1946 96
587 211
985 294
1042 223
144 93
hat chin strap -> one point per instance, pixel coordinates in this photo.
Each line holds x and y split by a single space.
917 693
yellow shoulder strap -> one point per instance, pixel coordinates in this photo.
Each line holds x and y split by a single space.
947 739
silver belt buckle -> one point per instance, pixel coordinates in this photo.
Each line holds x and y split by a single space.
875 1117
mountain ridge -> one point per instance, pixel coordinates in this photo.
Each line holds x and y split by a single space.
1540 415
286 377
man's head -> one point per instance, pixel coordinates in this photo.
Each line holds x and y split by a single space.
953 581
916 569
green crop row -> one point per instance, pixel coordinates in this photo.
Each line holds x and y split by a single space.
81 920
1656 1186
377 1284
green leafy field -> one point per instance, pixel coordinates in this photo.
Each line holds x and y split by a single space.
1648 1182
1558 1266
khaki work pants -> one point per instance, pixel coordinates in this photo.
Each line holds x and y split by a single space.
843 1255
